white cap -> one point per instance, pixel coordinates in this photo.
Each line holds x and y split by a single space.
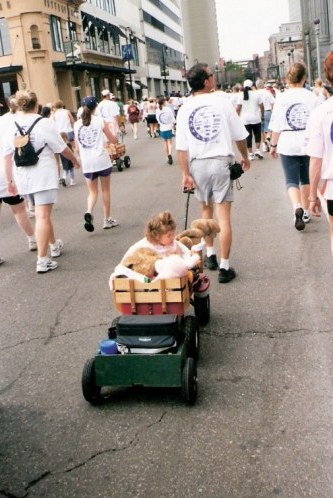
248 83
105 92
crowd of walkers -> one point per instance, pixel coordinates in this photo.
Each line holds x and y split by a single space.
291 123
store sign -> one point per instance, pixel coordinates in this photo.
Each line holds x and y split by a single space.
127 52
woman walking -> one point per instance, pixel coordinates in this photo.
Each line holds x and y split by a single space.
41 179
166 119
289 118
89 133
251 111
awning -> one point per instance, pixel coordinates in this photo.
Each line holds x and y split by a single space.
100 23
141 84
135 86
89 66
10 69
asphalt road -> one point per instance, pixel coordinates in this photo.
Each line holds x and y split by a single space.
262 424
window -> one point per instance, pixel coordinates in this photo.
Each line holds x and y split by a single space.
35 43
55 25
106 5
5 48
162 27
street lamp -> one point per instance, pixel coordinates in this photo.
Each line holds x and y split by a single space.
165 52
316 23
282 63
307 45
127 56
75 83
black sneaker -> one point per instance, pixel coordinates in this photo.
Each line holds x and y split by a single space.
210 262
226 275
170 161
88 225
299 221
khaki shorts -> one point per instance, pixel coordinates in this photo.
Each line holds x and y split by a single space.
212 177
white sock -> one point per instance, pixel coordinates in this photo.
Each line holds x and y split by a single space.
224 263
54 246
44 258
297 205
31 238
210 251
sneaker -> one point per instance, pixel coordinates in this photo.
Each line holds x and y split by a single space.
32 244
258 154
1 261
170 161
62 181
251 156
56 251
110 223
299 222
306 217
226 275
72 182
210 262
46 265
264 148
88 218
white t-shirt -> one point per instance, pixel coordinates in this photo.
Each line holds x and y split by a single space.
43 175
267 99
62 121
319 141
5 122
108 110
289 118
207 124
166 118
251 112
90 138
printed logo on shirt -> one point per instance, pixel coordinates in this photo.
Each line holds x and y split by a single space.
165 118
205 123
87 136
297 116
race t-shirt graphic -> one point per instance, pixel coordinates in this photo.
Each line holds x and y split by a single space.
87 136
297 116
205 123
165 118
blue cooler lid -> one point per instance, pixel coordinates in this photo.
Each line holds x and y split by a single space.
108 346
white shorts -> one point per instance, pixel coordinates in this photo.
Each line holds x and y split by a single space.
212 177
45 197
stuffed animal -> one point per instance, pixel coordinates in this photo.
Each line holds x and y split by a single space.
190 237
208 227
175 266
142 260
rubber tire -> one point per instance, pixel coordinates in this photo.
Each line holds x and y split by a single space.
192 337
119 164
90 391
202 309
127 161
189 381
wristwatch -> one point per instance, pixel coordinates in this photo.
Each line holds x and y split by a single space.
273 146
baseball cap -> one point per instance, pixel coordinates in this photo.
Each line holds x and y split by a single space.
248 83
105 92
89 102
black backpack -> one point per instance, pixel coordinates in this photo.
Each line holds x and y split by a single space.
25 154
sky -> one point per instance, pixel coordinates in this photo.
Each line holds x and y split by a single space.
245 25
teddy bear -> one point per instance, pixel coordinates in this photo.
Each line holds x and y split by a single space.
200 228
142 261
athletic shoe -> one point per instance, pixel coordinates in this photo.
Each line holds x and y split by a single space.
210 262
264 147
251 156
63 182
299 222
88 218
258 154
32 244
1 261
72 182
56 251
110 223
46 265
306 217
226 275
170 161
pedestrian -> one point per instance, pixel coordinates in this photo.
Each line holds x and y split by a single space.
67 165
89 133
41 180
133 113
109 110
320 149
319 90
268 103
207 125
166 119
151 118
64 121
289 118
251 110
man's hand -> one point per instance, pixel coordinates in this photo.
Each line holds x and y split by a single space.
245 162
188 182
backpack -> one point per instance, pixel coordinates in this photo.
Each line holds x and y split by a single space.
25 154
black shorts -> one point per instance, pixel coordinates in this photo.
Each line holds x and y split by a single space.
12 200
330 207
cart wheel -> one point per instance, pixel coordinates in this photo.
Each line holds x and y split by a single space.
127 161
202 309
119 164
192 338
189 381
91 392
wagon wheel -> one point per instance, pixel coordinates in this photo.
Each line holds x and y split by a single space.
127 161
192 338
119 164
202 309
189 381
91 392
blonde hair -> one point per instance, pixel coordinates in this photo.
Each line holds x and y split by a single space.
26 101
296 73
158 225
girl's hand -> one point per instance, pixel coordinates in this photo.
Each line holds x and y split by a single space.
11 188
315 208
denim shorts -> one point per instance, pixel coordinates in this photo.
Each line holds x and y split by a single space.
267 118
296 170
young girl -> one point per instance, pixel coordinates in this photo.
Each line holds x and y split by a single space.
67 165
166 118
160 236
